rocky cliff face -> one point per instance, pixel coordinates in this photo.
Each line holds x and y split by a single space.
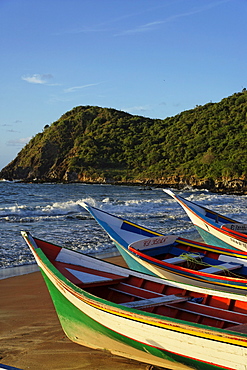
231 186
100 145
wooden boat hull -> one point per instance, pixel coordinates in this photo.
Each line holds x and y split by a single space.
84 330
123 232
212 226
195 279
151 338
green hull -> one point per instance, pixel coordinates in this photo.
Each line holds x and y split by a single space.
81 329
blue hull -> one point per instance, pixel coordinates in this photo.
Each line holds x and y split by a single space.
213 240
131 262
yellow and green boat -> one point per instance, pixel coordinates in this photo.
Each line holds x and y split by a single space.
134 315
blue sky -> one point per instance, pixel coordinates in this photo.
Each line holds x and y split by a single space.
154 58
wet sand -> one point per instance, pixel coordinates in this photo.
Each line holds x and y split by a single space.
31 336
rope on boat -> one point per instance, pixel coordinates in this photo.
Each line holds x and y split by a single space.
190 259
194 260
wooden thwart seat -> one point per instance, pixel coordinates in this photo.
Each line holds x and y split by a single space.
157 301
182 258
219 268
145 297
233 317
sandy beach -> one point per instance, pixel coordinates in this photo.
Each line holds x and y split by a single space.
31 336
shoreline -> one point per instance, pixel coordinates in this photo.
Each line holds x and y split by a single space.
7 272
31 336
220 186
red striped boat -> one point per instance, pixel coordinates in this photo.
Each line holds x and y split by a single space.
138 316
174 258
213 227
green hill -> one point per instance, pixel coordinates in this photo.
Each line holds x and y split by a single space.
202 146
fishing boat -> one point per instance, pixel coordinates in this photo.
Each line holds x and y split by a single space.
6 367
134 315
175 258
213 227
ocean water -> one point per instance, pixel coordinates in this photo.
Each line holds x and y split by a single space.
54 212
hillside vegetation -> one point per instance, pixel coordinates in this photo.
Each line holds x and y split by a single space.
204 145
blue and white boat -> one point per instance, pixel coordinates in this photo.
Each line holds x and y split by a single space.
213 227
174 258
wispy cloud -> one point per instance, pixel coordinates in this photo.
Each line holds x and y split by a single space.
153 25
195 10
75 88
19 142
147 27
40 79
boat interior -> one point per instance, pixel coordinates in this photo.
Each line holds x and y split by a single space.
135 290
158 298
217 217
190 256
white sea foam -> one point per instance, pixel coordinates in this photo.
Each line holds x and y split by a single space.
54 212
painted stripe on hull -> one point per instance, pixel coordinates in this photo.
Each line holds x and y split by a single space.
197 284
174 337
74 324
233 252
179 277
117 227
220 236
76 295
223 283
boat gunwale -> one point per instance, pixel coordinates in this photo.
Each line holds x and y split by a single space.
230 233
195 329
174 268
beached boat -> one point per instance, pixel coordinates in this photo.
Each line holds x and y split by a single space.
213 227
6 367
101 305
175 258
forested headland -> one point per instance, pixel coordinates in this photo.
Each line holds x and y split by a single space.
202 147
